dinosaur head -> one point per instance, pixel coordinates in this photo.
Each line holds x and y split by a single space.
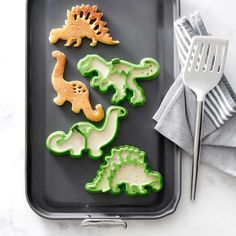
152 67
121 111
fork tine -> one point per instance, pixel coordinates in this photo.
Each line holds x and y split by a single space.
211 57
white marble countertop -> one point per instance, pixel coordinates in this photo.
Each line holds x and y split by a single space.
213 213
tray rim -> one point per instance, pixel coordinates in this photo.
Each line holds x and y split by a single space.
170 209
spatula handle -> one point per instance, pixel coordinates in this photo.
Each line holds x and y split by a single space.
197 148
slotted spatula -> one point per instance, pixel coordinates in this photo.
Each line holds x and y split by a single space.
202 72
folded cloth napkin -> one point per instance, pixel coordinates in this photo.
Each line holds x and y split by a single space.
176 115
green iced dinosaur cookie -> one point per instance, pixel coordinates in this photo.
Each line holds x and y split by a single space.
125 167
119 75
86 136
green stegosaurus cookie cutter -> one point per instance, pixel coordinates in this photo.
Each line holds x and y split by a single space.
120 76
86 136
125 170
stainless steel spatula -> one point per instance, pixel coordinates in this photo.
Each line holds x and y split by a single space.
202 72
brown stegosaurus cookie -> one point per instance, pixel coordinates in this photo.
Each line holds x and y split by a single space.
83 21
74 92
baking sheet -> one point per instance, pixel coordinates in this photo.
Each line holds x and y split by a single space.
55 185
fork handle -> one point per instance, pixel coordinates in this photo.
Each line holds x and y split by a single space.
197 147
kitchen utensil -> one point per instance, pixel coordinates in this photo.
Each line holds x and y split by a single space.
202 72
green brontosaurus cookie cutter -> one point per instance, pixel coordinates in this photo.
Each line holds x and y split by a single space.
84 136
125 170
120 76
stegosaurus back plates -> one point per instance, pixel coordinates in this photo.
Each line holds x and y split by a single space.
83 21
125 170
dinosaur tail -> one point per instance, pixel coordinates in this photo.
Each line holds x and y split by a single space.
106 38
60 143
52 142
59 68
94 115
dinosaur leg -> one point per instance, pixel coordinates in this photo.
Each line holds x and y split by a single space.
142 190
75 108
118 96
59 100
93 43
115 188
145 71
95 152
130 189
118 81
138 97
69 42
78 42
94 143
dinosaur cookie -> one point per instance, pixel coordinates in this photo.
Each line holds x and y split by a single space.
125 170
120 76
83 21
85 136
74 92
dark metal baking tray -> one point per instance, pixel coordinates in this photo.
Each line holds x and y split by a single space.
55 185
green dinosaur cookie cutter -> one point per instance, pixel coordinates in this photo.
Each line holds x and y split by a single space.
86 136
120 76
125 170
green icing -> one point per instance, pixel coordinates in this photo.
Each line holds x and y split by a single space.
86 136
125 170
120 76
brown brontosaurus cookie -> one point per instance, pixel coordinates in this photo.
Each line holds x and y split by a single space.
82 21
74 92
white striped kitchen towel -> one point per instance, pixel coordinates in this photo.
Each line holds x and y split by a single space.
176 115
218 105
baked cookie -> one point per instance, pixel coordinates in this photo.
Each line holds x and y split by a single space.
86 136
119 76
83 21
125 170
74 92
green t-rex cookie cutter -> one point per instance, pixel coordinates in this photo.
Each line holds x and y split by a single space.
125 170
120 76
84 136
